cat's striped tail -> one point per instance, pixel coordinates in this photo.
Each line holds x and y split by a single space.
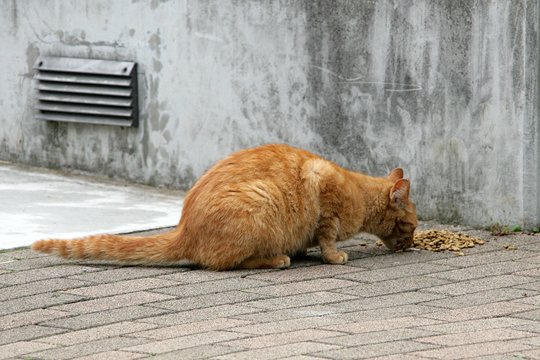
154 249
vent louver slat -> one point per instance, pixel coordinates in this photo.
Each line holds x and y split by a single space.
86 91
87 79
97 100
83 109
83 89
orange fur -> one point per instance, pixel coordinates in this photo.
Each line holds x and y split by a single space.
259 206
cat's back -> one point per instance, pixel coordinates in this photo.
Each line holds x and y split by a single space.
267 162
277 166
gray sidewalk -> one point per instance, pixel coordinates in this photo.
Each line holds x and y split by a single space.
416 304
39 203
411 305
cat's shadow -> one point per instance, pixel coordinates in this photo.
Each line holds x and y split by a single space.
355 249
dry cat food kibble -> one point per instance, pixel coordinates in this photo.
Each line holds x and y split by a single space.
440 240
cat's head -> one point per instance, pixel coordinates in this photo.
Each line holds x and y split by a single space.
400 218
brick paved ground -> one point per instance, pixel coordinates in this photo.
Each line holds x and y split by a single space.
412 305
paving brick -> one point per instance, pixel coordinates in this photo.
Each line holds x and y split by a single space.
201 276
491 269
119 287
302 287
215 312
262 316
288 325
316 298
478 324
36 302
39 287
82 349
395 272
24 333
7 256
392 286
22 277
209 300
476 285
196 353
484 258
404 298
387 312
97 333
304 273
375 337
113 302
492 310
396 357
116 355
535 286
530 326
532 259
189 328
388 259
283 338
531 272
34 263
473 350
533 340
479 298
21 254
472 337
405 322
29 318
105 317
374 350
531 315
508 356
183 342
21 348
211 287
529 354
277 352
531 246
126 273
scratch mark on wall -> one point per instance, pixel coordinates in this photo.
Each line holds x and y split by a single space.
209 37
388 86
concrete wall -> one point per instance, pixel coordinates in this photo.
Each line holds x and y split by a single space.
446 89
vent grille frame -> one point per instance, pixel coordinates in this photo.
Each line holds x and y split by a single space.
90 91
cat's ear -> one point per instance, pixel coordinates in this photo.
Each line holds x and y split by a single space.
396 174
399 192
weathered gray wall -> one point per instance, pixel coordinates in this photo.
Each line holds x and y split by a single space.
446 89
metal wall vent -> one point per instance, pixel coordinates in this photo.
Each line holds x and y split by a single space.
87 91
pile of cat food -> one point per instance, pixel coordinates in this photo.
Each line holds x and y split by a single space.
441 240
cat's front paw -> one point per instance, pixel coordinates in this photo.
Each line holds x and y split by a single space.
281 262
336 258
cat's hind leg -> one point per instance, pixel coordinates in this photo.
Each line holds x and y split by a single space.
276 262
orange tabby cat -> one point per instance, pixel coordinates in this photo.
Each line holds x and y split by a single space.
258 207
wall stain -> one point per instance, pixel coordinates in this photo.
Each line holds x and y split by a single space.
14 17
78 38
32 53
